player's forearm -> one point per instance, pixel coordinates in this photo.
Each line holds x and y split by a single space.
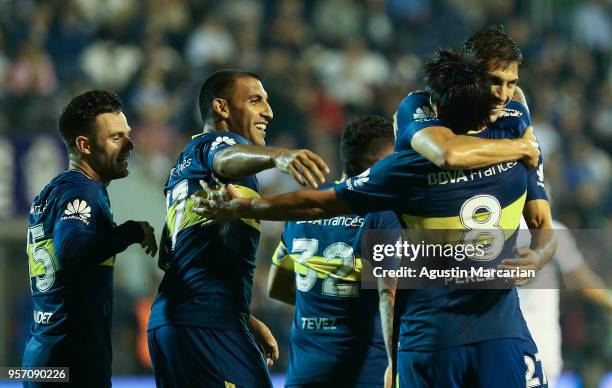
539 220
591 286
467 152
386 295
297 205
544 243
80 248
447 150
242 160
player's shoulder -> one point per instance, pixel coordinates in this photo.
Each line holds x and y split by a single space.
416 102
515 110
69 188
215 139
73 183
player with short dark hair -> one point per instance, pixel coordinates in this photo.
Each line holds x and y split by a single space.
494 48
201 332
336 336
447 337
73 240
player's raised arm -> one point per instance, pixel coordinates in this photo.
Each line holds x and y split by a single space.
241 160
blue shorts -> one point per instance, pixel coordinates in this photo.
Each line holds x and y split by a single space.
503 363
184 356
317 362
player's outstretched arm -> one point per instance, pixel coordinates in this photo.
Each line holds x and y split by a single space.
225 203
450 151
242 160
264 338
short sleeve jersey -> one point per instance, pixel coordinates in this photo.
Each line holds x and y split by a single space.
336 323
210 279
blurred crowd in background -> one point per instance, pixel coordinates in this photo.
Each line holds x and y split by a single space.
322 63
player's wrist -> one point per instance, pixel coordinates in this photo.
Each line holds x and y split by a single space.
276 157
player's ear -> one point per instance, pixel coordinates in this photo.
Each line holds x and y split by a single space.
221 108
83 145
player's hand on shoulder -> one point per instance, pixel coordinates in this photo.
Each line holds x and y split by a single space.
149 243
532 151
218 203
305 167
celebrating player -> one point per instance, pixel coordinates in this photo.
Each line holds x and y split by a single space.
336 335
421 132
200 330
449 338
73 240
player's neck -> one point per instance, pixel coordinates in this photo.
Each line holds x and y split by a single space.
209 127
216 126
86 169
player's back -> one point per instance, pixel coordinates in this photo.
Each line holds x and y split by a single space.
336 336
210 278
72 299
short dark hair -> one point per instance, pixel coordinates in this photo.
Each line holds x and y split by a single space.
461 88
362 141
494 47
79 116
219 84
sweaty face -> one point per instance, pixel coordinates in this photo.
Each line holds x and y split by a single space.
111 146
503 84
249 110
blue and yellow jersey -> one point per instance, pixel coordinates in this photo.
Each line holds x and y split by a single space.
210 279
427 197
335 336
73 296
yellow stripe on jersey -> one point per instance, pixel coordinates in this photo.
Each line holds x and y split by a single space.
189 218
38 254
327 267
509 219
282 258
